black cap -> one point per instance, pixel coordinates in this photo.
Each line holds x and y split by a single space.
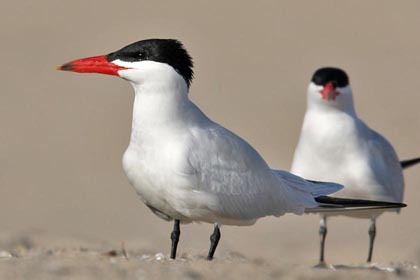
329 74
167 51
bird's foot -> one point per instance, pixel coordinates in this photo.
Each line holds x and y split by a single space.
322 265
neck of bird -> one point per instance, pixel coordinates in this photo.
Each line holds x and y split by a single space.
343 105
158 108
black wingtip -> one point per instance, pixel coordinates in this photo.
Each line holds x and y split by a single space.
329 201
409 162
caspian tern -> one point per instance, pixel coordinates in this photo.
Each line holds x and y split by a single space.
186 167
335 145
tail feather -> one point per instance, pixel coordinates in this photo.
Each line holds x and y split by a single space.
409 162
315 188
334 204
319 188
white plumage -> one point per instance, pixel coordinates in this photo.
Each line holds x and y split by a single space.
189 168
335 145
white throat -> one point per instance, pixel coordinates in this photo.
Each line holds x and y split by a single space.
161 98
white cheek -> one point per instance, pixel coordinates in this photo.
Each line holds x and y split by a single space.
314 90
137 71
314 87
148 71
344 90
127 64
130 74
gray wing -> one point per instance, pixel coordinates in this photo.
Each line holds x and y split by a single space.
386 166
240 180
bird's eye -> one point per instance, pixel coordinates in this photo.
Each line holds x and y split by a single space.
141 55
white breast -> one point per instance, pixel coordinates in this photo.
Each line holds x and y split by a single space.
336 147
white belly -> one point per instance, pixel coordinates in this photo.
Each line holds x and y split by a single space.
153 183
172 193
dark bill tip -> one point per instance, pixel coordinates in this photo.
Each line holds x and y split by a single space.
65 67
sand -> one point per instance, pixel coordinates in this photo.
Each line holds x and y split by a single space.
65 202
37 256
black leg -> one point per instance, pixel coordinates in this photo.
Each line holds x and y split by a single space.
175 238
372 234
214 239
322 234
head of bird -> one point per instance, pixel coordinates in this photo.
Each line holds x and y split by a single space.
330 89
151 62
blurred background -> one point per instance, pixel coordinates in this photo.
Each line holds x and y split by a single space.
63 134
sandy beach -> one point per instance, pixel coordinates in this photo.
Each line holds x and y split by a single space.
67 209
36 255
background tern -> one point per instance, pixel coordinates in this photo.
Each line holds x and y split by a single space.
186 167
335 145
